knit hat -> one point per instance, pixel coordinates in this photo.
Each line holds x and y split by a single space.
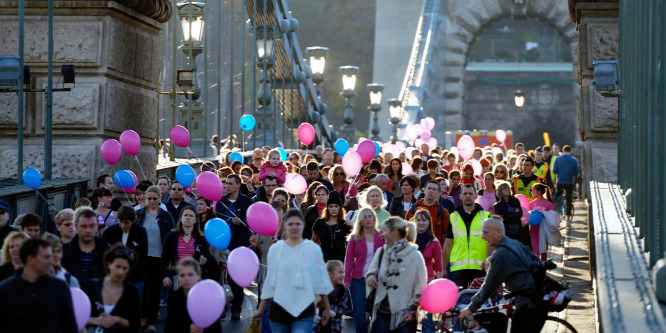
334 199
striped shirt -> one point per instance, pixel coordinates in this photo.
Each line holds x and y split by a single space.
185 250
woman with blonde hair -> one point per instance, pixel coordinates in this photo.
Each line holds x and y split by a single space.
10 253
398 273
347 190
373 197
501 172
361 248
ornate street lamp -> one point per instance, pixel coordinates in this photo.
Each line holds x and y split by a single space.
348 130
395 110
191 16
519 98
317 55
265 46
375 90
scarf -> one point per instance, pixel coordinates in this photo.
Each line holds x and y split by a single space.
422 240
392 253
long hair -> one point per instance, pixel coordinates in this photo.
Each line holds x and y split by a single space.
196 231
210 211
310 197
357 233
340 218
364 197
334 169
395 175
543 189
424 213
5 247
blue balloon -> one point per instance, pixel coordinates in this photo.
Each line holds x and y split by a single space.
236 156
247 122
283 153
217 233
377 149
123 179
536 217
341 146
32 178
185 175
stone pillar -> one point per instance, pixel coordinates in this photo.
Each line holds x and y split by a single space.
114 46
598 37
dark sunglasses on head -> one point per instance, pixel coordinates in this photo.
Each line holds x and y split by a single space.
124 253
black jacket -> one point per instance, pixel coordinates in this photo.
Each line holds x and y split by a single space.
178 319
127 306
71 261
311 215
240 234
201 248
511 212
44 306
396 208
5 231
164 221
6 271
389 199
324 182
175 212
137 240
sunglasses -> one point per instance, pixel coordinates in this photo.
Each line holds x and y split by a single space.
2 211
177 189
339 174
499 171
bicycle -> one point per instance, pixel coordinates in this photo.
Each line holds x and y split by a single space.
494 319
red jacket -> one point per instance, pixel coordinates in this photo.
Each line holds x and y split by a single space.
280 172
356 254
432 255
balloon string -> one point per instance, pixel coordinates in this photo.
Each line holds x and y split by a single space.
352 184
234 215
189 149
47 201
114 178
140 167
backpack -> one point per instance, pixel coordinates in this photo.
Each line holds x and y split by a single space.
551 293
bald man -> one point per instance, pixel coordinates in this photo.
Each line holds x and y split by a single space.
510 263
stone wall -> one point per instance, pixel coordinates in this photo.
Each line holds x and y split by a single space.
114 46
597 24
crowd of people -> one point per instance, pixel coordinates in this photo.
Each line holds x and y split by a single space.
382 230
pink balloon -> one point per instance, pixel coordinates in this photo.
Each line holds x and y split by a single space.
130 141
180 136
466 147
243 266
209 186
262 218
387 147
497 150
361 139
131 189
82 308
454 150
410 132
295 183
352 163
439 296
432 143
407 169
425 135
429 123
111 151
418 143
205 303
483 201
419 129
524 202
367 150
400 145
500 135
526 216
477 167
306 133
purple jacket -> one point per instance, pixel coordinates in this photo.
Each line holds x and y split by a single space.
356 253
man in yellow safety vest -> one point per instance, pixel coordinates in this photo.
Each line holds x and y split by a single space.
464 247
523 183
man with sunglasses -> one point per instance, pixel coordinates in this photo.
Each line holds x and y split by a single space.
5 227
265 192
176 204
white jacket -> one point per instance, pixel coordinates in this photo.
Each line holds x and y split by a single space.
549 230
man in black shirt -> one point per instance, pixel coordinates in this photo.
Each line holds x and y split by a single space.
176 204
82 256
315 176
32 300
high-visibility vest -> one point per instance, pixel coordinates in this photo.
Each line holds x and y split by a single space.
468 253
552 164
525 189
542 170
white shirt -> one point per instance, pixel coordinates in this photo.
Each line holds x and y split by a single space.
125 236
369 254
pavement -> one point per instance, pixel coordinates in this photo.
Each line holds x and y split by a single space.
573 272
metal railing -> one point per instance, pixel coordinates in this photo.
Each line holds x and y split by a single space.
413 90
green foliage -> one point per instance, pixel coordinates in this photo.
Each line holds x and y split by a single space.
347 28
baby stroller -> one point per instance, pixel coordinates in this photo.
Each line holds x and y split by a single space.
490 322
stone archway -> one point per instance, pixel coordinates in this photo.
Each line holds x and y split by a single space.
463 21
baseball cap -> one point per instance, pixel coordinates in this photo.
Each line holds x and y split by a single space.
4 206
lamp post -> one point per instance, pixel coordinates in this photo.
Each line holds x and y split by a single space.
264 113
191 15
348 131
395 109
317 55
375 90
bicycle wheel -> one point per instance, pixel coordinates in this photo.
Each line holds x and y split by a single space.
555 324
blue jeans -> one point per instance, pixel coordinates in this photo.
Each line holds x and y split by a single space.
139 285
265 322
427 324
300 326
382 323
357 291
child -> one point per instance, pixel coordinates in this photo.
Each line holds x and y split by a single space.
541 202
338 299
273 167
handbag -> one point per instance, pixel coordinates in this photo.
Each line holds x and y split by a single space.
229 295
370 300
